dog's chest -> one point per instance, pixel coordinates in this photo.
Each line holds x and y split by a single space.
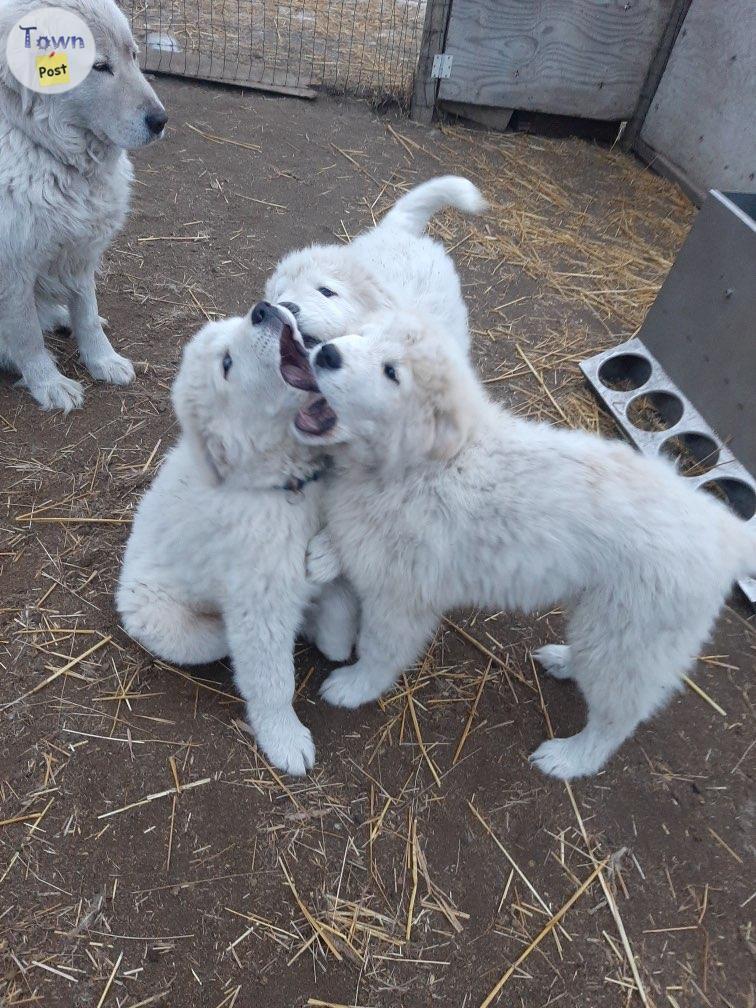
90 208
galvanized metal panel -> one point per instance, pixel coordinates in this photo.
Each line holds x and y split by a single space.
702 326
701 119
569 57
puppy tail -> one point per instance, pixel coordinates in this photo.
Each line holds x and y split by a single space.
413 211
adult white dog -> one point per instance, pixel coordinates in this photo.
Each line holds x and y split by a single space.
331 289
215 564
64 193
443 500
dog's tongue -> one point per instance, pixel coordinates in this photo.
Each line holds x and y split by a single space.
316 417
295 367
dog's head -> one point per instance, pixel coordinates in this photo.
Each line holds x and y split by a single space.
114 102
327 290
392 395
230 397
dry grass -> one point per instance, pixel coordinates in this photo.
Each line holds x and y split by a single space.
367 47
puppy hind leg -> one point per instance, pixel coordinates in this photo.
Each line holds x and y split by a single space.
555 659
170 630
388 643
336 620
613 715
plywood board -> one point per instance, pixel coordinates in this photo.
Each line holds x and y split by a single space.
569 57
701 119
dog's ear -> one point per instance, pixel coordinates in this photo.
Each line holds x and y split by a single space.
209 433
221 451
449 431
445 387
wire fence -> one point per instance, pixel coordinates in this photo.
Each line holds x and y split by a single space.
363 47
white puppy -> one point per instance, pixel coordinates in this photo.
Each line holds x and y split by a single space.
443 500
332 288
216 560
64 193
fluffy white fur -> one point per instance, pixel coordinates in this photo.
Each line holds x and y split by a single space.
64 193
392 265
443 499
216 560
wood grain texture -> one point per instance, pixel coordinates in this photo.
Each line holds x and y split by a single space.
434 35
254 76
568 57
701 118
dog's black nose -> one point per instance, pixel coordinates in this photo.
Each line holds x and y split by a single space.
156 121
328 357
261 311
293 308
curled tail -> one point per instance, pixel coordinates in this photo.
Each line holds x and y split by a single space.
413 211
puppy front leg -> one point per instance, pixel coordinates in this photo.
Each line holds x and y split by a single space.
22 346
390 640
97 355
262 645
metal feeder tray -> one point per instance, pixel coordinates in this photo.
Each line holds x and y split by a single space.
628 379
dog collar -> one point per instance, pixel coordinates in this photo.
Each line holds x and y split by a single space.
297 483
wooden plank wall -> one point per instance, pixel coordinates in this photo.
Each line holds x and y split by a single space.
569 57
701 122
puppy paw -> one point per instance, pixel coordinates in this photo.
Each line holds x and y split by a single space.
56 392
286 743
321 560
350 687
566 758
114 369
554 659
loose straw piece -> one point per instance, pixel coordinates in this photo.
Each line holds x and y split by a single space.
111 978
484 650
153 797
470 716
508 856
319 929
59 672
420 742
413 893
544 386
537 941
612 903
704 696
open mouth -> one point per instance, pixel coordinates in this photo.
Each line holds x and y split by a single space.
316 417
295 366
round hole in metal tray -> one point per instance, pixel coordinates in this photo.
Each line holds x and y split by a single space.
655 411
625 372
693 453
736 493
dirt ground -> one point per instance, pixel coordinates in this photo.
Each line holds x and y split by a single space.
148 854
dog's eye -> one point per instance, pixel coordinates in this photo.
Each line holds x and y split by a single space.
310 341
326 292
390 371
227 362
103 67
